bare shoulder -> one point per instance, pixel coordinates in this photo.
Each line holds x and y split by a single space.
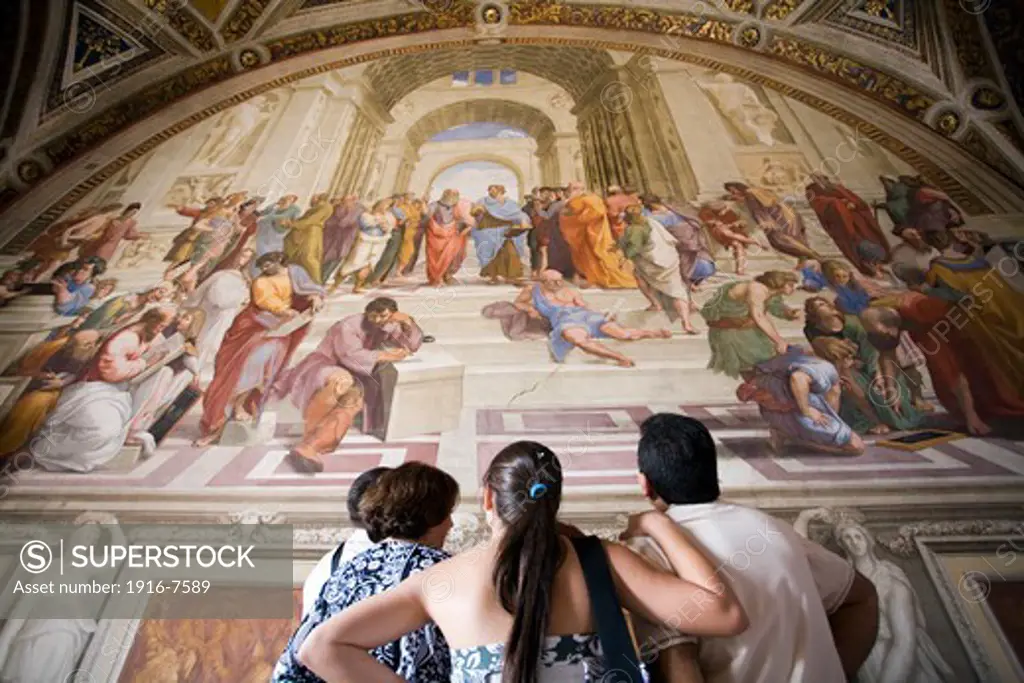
752 290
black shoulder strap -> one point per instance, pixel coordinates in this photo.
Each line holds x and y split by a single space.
620 654
336 557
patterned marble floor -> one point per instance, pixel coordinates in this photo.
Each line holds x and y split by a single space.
596 445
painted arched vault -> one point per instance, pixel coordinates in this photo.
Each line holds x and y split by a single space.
529 119
957 123
573 68
435 165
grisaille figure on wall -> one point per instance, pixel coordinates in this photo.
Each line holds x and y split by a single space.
903 652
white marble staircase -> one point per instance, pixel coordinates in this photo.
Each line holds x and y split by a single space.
498 372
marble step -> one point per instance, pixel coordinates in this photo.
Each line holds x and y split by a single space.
471 299
453 327
593 382
502 352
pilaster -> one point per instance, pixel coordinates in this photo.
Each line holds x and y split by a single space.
707 145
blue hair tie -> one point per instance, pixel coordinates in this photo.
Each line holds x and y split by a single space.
538 490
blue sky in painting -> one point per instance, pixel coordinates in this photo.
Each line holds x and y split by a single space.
485 130
471 179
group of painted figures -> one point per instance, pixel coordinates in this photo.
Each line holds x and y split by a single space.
931 301
243 283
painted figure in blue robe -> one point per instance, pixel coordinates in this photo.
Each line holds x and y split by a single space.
574 324
73 285
799 397
272 226
500 236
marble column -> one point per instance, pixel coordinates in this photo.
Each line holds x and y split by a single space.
345 177
537 178
392 157
287 162
707 143
342 113
851 157
371 166
565 148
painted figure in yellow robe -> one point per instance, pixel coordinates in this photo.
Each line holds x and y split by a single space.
991 313
304 243
414 210
584 224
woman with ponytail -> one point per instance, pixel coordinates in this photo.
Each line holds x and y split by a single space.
517 609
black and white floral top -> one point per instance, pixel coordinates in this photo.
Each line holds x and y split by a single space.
565 659
421 656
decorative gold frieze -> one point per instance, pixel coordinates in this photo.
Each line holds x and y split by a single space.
243 19
889 89
743 6
184 23
780 9
886 88
965 28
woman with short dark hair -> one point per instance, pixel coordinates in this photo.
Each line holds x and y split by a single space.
407 513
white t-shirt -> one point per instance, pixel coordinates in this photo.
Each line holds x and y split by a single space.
786 584
356 543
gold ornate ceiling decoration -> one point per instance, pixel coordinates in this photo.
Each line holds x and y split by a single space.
207 32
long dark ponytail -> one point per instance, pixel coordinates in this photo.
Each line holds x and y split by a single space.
525 479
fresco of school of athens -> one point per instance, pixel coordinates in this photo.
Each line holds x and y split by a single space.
305 277
398 261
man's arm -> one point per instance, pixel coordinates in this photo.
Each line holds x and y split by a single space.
757 297
407 334
524 300
855 625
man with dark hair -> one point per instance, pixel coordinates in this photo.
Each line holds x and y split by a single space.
347 549
351 357
771 568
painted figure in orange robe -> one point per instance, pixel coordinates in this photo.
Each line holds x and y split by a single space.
584 224
448 225
847 218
